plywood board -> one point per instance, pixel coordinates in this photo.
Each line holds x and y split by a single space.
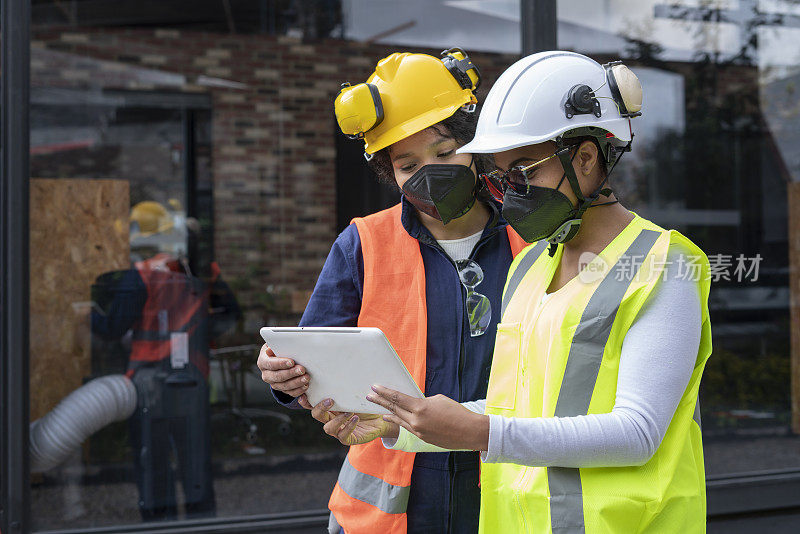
78 230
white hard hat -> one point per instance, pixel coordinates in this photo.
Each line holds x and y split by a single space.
551 94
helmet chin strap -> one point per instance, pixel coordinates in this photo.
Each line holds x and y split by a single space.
571 226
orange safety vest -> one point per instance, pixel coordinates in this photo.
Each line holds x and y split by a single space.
176 303
372 490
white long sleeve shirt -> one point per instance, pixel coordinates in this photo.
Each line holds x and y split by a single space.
657 360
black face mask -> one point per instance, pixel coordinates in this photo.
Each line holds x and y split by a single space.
537 214
545 213
444 192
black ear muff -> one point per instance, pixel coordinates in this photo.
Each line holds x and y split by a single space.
581 101
625 88
462 68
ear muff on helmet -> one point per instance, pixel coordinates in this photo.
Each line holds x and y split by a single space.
625 88
626 91
358 109
581 101
462 68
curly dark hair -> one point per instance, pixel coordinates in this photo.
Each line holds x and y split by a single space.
459 126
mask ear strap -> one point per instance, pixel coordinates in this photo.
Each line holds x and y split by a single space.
478 182
584 203
561 181
569 171
607 191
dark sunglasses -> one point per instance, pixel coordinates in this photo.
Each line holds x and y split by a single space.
515 178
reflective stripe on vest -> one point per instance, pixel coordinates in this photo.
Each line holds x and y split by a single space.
151 335
583 363
176 303
560 358
333 525
516 277
696 415
371 494
372 490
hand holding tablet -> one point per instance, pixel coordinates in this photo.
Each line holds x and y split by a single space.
343 364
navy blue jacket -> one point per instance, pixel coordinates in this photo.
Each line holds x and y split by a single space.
444 486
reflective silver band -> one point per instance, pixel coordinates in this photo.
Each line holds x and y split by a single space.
519 273
372 490
566 500
594 328
696 415
580 375
333 525
149 335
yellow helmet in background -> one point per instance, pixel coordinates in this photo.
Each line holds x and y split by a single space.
151 217
406 94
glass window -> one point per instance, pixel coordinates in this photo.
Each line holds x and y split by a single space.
188 180
182 196
187 183
715 157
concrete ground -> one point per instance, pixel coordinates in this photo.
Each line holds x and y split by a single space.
778 523
242 487
747 454
80 498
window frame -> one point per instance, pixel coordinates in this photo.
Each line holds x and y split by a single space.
14 259
729 496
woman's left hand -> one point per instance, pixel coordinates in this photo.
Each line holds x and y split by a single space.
437 420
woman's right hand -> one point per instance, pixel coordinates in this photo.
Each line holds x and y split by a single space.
283 374
351 428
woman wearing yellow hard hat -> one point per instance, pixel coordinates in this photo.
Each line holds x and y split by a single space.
429 272
591 422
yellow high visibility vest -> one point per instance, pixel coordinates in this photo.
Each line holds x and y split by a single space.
561 358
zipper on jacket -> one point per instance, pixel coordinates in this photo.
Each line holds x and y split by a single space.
451 470
465 328
464 319
429 240
451 467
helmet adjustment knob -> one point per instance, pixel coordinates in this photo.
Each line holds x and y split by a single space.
581 101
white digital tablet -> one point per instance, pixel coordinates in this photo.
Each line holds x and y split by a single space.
343 364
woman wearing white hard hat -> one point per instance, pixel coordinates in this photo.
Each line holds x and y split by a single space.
591 422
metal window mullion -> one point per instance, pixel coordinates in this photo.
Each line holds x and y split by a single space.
14 260
190 184
538 26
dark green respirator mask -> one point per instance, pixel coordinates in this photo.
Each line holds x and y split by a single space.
546 213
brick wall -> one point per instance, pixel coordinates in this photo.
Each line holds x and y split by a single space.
273 135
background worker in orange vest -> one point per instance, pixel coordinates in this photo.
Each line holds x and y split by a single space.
429 272
168 312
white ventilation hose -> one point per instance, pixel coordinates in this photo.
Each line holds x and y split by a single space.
79 415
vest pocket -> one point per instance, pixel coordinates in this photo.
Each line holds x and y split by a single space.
502 390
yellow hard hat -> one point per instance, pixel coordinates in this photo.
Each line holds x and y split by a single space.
406 94
151 217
